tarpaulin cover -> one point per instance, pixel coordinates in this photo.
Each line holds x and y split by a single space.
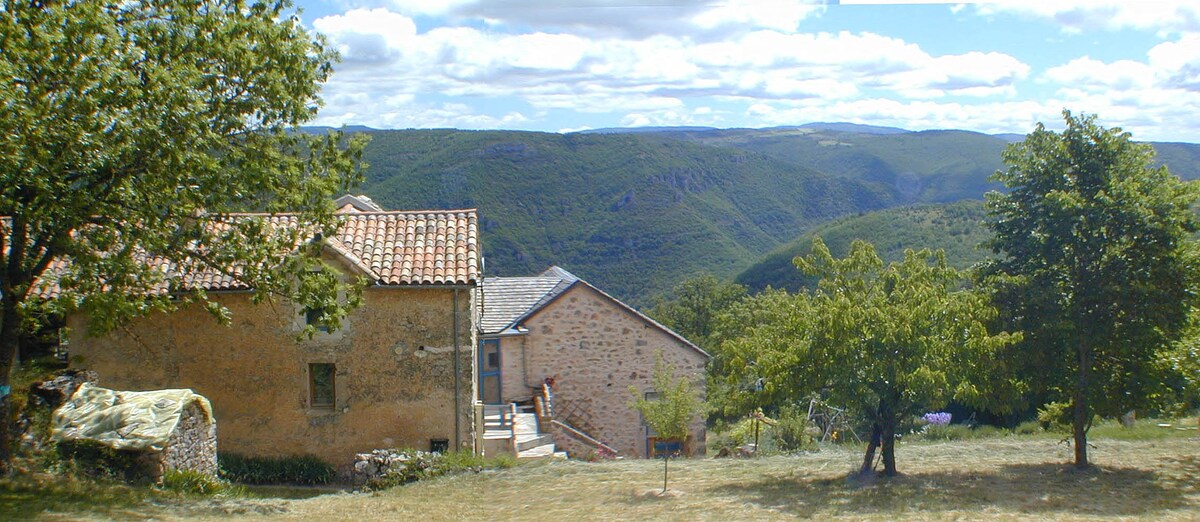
124 420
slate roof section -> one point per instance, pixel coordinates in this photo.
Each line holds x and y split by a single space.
508 301
396 248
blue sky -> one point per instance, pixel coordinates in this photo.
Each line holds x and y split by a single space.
571 65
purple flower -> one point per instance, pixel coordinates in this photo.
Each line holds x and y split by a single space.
940 418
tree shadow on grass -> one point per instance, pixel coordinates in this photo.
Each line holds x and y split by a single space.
1033 489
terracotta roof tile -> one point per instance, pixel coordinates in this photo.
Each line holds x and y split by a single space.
395 248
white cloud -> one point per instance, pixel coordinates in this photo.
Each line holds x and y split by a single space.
1079 15
636 19
761 73
368 36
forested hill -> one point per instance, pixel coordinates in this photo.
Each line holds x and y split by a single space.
636 212
633 214
935 166
956 228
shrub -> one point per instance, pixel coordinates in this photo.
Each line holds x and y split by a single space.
90 459
296 469
1029 427
944 432
194 483
412 465
792 432
1055 416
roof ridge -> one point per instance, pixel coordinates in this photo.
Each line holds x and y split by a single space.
360 213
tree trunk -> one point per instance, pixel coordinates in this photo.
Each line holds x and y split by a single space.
666 459
888 437
869 458
10 340
1080 406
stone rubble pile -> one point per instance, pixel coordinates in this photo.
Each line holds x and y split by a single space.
381 463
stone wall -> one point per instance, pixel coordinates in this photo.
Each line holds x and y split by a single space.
394 381
193 445
596 350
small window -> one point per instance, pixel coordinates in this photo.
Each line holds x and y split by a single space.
439 445
320 385
312 316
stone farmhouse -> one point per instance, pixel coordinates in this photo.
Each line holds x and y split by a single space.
398 373
415 365
560 344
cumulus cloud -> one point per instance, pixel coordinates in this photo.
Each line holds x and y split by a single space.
735 62
1079 15
637 19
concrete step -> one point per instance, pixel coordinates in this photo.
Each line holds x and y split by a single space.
545 450
525 443
525 423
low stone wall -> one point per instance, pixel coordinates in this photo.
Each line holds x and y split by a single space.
193 444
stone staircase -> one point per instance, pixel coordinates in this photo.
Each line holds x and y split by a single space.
506 425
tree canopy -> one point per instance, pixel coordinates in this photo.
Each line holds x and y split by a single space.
134 130
888 341
1097 266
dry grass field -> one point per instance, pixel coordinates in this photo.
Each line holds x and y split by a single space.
1005 478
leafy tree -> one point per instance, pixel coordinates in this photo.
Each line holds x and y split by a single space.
694 305
1097 266
134 129
672 409
890 341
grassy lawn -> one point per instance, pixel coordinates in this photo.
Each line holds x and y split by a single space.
1142 477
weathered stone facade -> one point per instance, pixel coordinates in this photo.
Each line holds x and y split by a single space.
595 349
395 379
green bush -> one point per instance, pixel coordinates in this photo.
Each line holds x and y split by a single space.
413 465
90 459
792 432
296 469
1055 416
1029 427
195 483
946 432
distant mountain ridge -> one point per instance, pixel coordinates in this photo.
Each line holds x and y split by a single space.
636 212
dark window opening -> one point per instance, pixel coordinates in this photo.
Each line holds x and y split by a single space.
312 316
320 385
439 445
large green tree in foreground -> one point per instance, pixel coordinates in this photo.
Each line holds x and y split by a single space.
890 341
1097 266
129 128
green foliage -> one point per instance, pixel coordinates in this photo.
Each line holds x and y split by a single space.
1055 416
935 432
792 431
198 484
296 469
414 465
1098 267
674 407
633 214
1029 427
888 340
693 306
93 460
131 129
955 228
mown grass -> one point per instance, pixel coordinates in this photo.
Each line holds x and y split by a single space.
1003 478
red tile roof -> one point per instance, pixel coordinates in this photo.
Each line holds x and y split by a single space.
433 247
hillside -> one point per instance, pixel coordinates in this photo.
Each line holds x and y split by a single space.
954 227
632 213
636 212
935 166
